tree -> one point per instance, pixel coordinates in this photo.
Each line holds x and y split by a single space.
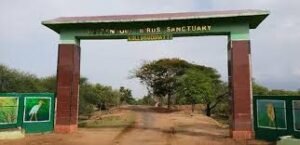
160 76
91 95
146 100
12 80
49 83
282 92
259 89
100 96
126 96
202 85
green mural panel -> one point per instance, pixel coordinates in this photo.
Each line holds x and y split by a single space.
276 116
271 114
9 110
37 109
33 112
296 114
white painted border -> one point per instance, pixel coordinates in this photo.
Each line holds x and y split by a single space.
294 121
268 126
16 113
24 115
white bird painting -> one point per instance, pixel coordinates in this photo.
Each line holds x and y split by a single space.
34 111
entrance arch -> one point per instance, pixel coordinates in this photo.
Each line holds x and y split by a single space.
233 24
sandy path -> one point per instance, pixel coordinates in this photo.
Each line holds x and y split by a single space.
157 127
146 131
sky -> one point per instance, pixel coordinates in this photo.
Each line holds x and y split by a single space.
28 46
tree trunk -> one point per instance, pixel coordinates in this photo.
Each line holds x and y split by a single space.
208 109
100 109
193 107
169 101
161 100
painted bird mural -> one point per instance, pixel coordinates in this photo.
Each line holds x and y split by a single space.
34 111
271 114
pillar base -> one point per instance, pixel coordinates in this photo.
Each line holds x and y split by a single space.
242 135
65 128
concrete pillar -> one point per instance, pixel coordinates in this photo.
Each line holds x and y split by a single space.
68 75
239 71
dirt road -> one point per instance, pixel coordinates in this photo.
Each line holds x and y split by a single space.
152 126
160 127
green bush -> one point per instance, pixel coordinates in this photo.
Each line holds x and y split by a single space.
222 109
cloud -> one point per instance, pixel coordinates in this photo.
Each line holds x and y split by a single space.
296 72
31 47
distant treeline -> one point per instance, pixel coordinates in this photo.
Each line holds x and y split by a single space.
12 80
264 91
92 96
169 81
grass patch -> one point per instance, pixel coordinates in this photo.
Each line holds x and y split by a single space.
223 119
109 121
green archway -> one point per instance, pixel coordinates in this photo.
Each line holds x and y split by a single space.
165 26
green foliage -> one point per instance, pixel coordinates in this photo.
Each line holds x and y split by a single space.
146 100
259 89
8 110
126 96
222 109
189 83
202 85
196 86
20 82
91 96
176 77
282 92
14 81
264 91
160 76
97 96
85 108
48 84
182 101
